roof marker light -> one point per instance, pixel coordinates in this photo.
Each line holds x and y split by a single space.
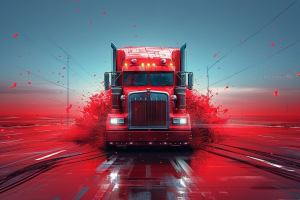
171 64
148 64
143 64
153 64
125 64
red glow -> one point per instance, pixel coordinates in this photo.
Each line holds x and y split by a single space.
299 74
20 73
103 12
59 56
95 75
77 9
240 40
134 26
15 84
64 68
59 73
227 87
215 55
29 83
28 72
275 93
2 129
90 22
15 35
272 44
248 4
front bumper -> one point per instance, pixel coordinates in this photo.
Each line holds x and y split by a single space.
148 137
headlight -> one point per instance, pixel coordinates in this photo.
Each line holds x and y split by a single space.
116 121
181 121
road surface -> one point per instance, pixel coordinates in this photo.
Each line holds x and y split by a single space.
251 162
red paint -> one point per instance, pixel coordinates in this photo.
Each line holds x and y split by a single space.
15 84
29 83
15 35
272 44
275 93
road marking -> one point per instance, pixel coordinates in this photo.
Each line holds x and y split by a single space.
269 163
50 155
11 141
81 193
265 136
105 165
13 134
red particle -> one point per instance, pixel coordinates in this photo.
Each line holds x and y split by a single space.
282 75
15 84
20 73
77 0
28 72
227 87
59 73
63 76
20 56
95 75
29 83
90 22
217 93
271 153
15 35
57 81
64 68
57 23
218 67
67 109
248 4
272 44
103 12
135 36
275 93
215 55
134 25
8 136
77 9
299 74
225 111
240 40
59 56
2 129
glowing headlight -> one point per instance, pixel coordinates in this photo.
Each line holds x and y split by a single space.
181 121
116 121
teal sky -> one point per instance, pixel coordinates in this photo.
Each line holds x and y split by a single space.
210 28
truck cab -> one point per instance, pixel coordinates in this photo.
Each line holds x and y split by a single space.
148 94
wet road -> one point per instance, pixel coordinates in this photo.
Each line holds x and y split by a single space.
251 162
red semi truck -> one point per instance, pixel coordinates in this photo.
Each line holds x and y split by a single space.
148 94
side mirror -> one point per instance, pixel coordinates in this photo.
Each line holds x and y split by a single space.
106 81
190 81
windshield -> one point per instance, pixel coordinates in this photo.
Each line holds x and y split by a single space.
135 79
161 79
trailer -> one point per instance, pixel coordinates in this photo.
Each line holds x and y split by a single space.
148 93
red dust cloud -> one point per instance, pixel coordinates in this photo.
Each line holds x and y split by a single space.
90 128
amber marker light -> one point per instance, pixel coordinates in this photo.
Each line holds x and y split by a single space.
171 64
143 64
126 64
153 64
148 64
